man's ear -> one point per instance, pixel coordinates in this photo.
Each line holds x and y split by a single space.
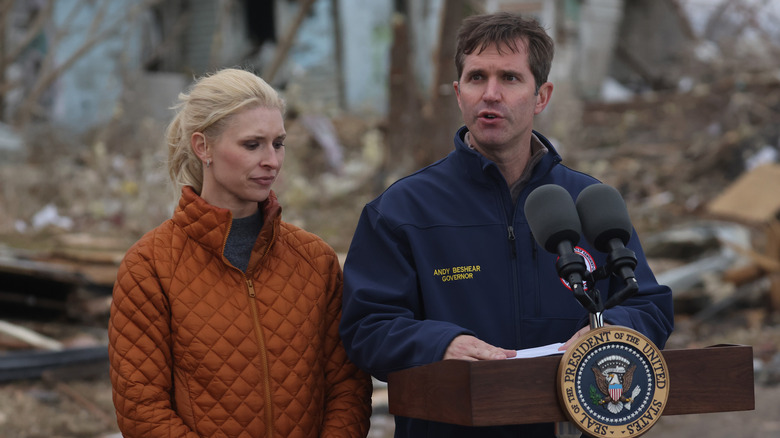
543 97
456 86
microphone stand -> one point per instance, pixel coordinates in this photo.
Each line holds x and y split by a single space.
596 320
620 262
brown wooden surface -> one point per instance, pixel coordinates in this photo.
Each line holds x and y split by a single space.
521 391
714 379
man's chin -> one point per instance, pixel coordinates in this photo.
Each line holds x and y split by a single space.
484 141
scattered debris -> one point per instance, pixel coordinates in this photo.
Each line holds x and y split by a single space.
324 133
10 140
748 200
32 364
753 199
54 287
30 337
48 216
107 419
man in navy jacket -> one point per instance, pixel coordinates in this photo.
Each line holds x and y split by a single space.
443 264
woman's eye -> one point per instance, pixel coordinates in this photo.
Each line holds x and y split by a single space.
278 145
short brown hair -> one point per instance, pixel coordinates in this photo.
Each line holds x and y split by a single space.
503 29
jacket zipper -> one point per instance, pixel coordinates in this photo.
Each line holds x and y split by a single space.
515 282
511 237
535 270
269 415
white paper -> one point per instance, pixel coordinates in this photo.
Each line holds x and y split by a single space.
544 350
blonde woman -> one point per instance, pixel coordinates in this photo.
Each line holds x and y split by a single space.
224 321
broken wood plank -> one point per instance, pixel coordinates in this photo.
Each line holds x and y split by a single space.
743 275
766 263
30 337
747 200
50 271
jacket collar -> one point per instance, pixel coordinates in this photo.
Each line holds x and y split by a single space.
482 169
210 225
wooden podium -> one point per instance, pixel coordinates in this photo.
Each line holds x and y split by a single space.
522 391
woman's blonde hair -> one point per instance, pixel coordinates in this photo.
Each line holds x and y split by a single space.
207 108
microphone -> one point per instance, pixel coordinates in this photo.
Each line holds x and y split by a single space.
553 219
607 226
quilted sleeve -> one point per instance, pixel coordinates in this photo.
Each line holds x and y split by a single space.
140 351
348 397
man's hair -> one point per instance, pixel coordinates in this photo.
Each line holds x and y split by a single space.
503 29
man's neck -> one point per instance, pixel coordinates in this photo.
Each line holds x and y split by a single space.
511 162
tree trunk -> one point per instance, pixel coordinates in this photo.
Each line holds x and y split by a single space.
442 115
403 127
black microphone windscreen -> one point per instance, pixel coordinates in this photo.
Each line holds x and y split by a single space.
552 216
603 215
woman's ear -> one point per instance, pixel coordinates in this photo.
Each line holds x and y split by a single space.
198 145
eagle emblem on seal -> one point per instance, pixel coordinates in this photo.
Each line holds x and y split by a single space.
613 378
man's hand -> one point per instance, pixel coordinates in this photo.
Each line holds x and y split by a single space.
576 336
466 347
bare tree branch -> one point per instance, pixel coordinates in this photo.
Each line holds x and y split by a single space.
287 41
48 77
35 28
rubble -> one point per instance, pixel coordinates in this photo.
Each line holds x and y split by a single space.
32 364
29 337
751 200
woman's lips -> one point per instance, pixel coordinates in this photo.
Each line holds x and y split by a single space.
264 180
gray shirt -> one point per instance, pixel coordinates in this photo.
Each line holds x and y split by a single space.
241 240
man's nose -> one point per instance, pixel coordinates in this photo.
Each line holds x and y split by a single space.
492 91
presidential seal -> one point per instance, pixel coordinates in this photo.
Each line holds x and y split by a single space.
613 382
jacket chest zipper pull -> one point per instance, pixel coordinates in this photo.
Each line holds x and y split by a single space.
511 237
251 287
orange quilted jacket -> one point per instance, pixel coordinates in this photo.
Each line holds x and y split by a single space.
198 348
